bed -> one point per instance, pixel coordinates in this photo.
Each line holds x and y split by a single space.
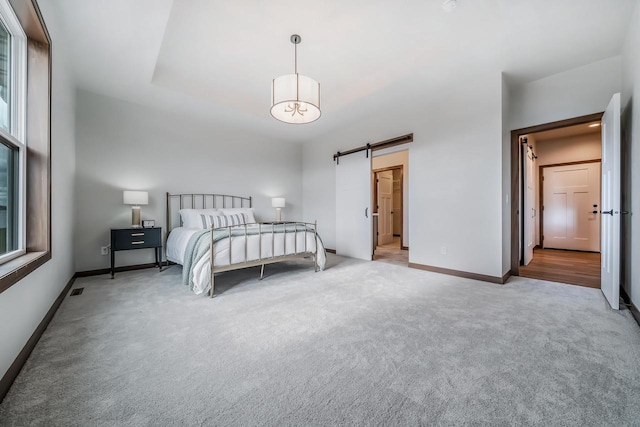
198 222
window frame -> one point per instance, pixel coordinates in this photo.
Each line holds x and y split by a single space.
17 118
37 132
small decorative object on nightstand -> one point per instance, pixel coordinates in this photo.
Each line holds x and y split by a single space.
124 239
148 223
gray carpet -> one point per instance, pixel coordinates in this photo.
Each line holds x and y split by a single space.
359 344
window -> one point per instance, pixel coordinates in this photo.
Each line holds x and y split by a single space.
25 141
5 63
9 200
13 78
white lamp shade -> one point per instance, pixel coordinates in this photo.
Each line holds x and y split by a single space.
295 99
278 202
136 198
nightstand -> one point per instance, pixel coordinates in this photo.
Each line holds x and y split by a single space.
125 239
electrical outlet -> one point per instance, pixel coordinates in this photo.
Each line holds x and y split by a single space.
104 250
443 250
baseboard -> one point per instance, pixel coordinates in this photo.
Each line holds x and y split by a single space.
506 276
458 273
18 363
404 248
632 308
101 271
635 312
331 251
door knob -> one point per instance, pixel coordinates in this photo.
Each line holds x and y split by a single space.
607 212
625 212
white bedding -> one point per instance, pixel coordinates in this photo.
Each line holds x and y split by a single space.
177 243
179 238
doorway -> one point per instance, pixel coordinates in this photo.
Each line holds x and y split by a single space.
559 219
389 208
354 220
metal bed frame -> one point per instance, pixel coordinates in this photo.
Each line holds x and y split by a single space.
201 201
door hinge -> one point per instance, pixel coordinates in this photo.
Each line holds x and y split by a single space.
377 233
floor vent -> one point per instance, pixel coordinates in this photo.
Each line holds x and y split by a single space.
77 291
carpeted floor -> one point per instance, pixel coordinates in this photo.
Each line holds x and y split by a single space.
360 344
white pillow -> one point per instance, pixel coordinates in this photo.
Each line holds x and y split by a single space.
191 217
218 221
247 211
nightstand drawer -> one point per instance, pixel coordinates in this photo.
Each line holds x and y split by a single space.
135 238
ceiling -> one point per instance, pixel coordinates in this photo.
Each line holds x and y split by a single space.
215 59
565 132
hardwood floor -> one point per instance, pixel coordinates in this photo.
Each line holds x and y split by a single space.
392 253
573 267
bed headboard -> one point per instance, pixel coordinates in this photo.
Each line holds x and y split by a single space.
175 202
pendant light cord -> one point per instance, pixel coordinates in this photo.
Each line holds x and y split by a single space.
295 56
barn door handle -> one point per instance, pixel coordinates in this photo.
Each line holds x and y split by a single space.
366 212
607 212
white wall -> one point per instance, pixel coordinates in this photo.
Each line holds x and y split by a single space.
571 149
381 160
124 146
455 179
631 114
24 305
573 93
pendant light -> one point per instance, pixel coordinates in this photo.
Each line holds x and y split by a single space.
295 98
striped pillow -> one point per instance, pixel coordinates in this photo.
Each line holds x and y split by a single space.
218 221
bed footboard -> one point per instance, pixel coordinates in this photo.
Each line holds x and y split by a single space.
269 228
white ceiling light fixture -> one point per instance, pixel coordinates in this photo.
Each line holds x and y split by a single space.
450 5
295 98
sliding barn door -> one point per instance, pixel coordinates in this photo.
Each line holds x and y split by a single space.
529 205
354 237
610 272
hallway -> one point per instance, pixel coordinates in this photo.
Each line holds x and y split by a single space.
573 267
392 253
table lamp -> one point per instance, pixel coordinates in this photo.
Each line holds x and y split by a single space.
278 203
135 198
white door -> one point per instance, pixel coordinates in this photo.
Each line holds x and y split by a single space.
610 212
571 200
529 206
385 207
353 206
397 202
